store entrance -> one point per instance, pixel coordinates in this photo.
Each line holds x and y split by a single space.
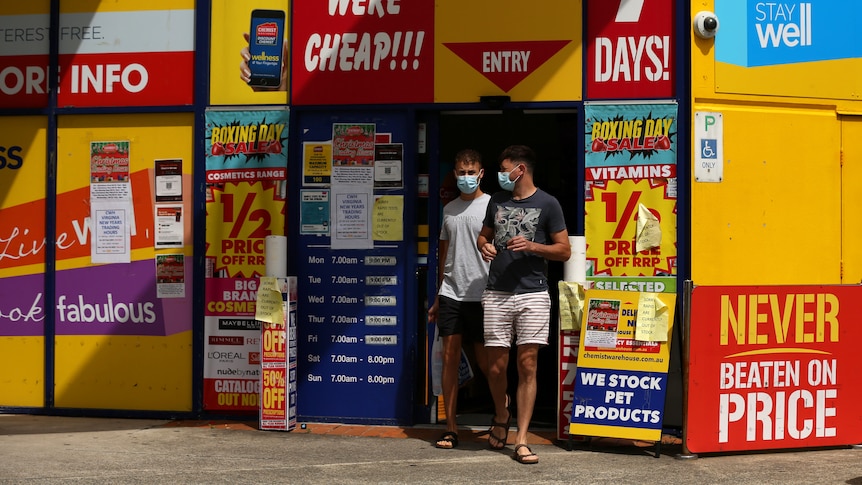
553 135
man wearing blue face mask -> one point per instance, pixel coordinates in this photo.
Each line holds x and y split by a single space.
461 278
523 227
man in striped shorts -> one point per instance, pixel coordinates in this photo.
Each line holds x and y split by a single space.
523 227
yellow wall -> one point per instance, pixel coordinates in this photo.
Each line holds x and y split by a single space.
776 216
230 20
851 135
22 358
135 372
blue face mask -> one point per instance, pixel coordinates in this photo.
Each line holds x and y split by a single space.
505 183
468 183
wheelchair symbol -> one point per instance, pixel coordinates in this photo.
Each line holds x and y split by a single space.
708 149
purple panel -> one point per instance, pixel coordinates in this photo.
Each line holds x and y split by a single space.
178 311
22 306
111 299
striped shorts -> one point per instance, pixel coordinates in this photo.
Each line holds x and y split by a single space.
523 316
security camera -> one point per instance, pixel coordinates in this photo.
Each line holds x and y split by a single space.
705 25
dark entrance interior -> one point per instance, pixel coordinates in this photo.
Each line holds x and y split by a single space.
553 135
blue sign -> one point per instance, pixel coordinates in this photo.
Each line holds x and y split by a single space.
756 33
709 148
619 398
356 312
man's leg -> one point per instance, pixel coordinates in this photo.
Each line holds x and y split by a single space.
481 353
527 363
532 328
451 361
498 362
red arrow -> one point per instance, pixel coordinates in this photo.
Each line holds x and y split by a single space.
506 63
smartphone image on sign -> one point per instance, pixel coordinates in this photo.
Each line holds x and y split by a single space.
266 47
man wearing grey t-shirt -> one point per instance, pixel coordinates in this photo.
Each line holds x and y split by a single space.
461 279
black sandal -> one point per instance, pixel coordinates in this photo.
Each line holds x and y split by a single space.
527 459
499 443
450 438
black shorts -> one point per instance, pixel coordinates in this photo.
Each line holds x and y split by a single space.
461 317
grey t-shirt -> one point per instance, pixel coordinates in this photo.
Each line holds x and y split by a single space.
536 218
464 273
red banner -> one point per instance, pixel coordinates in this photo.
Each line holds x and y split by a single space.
774 367
358 52
629 49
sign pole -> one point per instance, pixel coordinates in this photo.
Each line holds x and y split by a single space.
687 287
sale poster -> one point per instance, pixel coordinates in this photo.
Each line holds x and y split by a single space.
170 276
246 175
276 313
630 185
232 344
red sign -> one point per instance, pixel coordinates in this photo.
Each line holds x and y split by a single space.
568 353
774 367
126 79
273 409
506 63
629 49
24 82
357 52
118 58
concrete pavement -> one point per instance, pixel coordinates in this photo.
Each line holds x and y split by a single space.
63 450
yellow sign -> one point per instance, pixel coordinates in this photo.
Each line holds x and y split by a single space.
608 337
231 22
612 222
652 324
316 163
571 305
540 60
239 217
621 381
269 306
389 218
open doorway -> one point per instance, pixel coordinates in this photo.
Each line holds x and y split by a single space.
553 135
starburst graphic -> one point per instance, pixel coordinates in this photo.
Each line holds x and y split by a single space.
611 223
239 218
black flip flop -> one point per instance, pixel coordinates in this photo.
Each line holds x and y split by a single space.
447 437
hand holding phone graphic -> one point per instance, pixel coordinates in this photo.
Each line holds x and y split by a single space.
263 65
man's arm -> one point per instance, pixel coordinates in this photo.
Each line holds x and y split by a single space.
558 250
442 252
485 243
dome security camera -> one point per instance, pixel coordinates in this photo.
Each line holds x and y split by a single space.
705 25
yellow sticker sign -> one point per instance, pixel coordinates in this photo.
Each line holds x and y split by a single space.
611 227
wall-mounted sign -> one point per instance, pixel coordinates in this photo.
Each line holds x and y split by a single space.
629 49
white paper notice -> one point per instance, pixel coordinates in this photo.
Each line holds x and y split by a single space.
111 232
351 211
169 226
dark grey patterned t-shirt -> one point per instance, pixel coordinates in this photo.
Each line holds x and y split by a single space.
535 218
